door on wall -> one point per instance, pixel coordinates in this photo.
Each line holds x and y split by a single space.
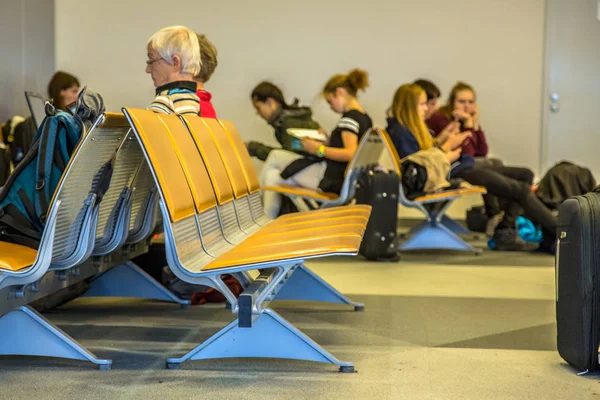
572 84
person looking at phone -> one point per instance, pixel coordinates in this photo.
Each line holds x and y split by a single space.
270 105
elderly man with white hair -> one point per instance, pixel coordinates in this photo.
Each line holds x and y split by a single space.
173 61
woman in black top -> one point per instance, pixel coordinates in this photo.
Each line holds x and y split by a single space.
325 166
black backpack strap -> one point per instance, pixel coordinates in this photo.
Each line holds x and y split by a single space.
19 230
103 178
40 170
47 148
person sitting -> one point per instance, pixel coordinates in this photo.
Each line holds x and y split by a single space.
462 106
325 166
173 62
62 90
407 129
433 95
270 105
208 56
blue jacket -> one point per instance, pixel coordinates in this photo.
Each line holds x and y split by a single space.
406 144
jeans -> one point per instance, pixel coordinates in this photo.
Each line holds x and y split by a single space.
512 187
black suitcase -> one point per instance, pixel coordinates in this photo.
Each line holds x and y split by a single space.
578 281
379 189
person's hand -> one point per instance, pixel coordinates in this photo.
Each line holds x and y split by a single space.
451 128
466 118
324 132
455 140
454 155
311 146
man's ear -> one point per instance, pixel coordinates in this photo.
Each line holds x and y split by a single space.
176 62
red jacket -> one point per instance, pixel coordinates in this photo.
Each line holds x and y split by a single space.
206 108
475 146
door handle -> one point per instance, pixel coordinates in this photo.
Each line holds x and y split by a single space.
554 102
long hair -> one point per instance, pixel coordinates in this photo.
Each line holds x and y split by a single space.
60 81
447 109
404 109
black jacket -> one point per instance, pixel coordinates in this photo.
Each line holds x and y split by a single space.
564 180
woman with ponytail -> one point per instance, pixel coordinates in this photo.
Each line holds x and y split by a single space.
324 165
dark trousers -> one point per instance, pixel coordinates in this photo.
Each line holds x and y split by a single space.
512 187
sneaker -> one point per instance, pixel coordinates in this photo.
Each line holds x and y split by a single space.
509 240
492 223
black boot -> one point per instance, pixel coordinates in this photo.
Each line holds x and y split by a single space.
509 240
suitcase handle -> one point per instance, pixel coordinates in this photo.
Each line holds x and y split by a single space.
556 266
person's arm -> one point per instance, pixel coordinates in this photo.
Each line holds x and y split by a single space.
344 154
436 123
259 150
404 141
443 136
482 147
455 140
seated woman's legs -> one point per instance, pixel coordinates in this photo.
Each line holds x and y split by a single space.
491 202
278 160
516 191
517 173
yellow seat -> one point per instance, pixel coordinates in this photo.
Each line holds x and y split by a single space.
301 191
315 223
14 257
275 252
450 193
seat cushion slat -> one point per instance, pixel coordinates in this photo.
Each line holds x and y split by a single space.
14 257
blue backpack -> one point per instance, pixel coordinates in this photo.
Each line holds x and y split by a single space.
26 196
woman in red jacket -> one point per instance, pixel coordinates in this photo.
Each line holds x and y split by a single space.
462 107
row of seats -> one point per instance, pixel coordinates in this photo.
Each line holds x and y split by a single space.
193 177
436 232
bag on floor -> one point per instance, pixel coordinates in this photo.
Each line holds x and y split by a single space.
380 189
477 219
578 281
562 181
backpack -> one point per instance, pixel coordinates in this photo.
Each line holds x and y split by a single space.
25 198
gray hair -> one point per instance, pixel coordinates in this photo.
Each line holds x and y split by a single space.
178 41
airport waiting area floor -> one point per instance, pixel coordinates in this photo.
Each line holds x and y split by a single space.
436 326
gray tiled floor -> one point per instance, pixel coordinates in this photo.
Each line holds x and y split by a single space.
436 326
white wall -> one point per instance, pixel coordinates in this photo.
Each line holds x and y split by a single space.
495 45
27 43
